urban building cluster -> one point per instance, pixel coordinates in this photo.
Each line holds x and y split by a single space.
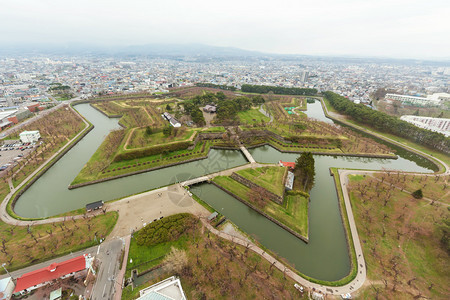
32 79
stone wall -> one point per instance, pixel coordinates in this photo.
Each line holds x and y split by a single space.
275 198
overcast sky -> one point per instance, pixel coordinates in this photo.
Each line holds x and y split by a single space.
395 28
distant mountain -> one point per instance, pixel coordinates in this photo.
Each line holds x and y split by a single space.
186 50
193 52
174 50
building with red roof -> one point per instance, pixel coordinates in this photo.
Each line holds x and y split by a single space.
34 107
290 165
35 279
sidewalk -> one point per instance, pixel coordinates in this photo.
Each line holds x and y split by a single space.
120 277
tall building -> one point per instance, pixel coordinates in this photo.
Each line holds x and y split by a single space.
304 76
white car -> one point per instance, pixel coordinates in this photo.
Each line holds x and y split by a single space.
298 287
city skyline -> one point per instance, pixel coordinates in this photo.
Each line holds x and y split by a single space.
397 29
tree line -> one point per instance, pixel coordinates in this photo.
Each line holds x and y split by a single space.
227 109
264 89
216 86
389 124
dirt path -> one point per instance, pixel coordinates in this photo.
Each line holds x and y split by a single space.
149 116
130 134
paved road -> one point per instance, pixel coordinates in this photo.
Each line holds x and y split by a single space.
109 255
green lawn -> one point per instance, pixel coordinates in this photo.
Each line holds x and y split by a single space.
293 213
140 139
52 240
101 158
145 257
252 116
270 178
127 166
405 230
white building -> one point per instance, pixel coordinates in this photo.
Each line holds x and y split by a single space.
440 125
6 288
430 100
174 122
30 136
168 289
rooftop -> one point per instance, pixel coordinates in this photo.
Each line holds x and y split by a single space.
53 271
168 289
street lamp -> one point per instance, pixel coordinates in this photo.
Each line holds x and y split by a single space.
4 267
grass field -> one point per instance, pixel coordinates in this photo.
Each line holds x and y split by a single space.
57 129
102 157
22 245
127 166
252 116
216 269
145 257
270 178
140 139
433 187
215 129
293 213
403 240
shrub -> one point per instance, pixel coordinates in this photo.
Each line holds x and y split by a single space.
418 194
165 230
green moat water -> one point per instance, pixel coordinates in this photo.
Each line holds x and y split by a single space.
326 255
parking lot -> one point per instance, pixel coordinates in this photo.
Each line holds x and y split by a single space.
13 151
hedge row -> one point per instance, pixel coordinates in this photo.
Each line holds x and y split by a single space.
300 139
128 155
151 162
165 230
301 146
